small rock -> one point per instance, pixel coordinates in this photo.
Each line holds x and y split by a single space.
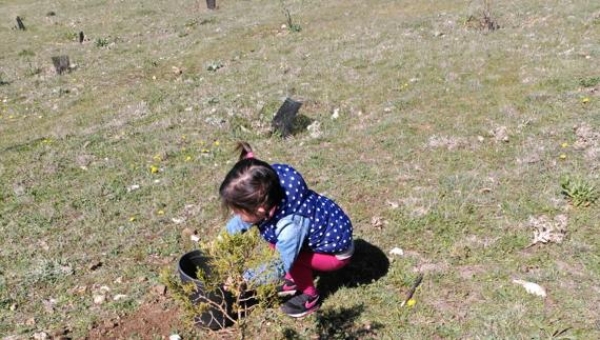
133 187
314 129
159 290
392 204
531 288
397 251
80 290
49 305
187 233
336 113
119 297
40 336
178 220
99 299
68 270
43 245
500 134
174 337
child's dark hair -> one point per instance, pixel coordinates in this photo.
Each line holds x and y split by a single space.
250 184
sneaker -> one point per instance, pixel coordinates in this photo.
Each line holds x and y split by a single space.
301 305
288 288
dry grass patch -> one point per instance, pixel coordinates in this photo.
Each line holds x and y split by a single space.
440 134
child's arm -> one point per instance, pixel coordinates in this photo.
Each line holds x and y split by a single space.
236 225
291 231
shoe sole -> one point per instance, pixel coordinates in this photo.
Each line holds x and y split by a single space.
303 314
287 293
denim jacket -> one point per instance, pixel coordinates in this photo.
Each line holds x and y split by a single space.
291 232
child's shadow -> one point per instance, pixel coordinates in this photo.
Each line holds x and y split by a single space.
368 264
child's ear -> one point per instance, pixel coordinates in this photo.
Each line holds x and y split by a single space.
261 210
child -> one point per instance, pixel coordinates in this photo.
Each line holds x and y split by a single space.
309 231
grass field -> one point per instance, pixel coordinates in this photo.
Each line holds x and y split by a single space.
454 130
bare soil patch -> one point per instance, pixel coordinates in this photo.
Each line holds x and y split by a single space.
153 319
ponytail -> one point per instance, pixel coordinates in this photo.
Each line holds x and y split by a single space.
245 150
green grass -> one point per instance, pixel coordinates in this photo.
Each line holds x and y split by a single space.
452 135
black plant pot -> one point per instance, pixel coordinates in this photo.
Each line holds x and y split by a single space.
211 4
213 317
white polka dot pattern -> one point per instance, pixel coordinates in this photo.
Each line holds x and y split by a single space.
330 228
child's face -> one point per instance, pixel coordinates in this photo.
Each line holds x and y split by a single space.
249 217
259 215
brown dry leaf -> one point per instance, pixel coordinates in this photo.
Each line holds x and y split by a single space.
547 230
532 288
377 222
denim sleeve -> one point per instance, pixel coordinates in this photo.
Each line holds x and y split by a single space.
236 225
265 273
291 232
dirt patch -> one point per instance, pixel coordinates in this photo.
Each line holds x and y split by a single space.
588 140
431 268
153 319
158 318
469 271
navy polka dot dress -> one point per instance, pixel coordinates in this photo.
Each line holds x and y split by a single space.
330 229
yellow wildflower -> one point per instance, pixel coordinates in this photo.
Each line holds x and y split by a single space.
562 156
154 169
564 145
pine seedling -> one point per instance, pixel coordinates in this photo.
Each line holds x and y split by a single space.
225 290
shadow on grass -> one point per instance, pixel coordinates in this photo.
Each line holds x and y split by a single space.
338 324
368 264
296 126
301 123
